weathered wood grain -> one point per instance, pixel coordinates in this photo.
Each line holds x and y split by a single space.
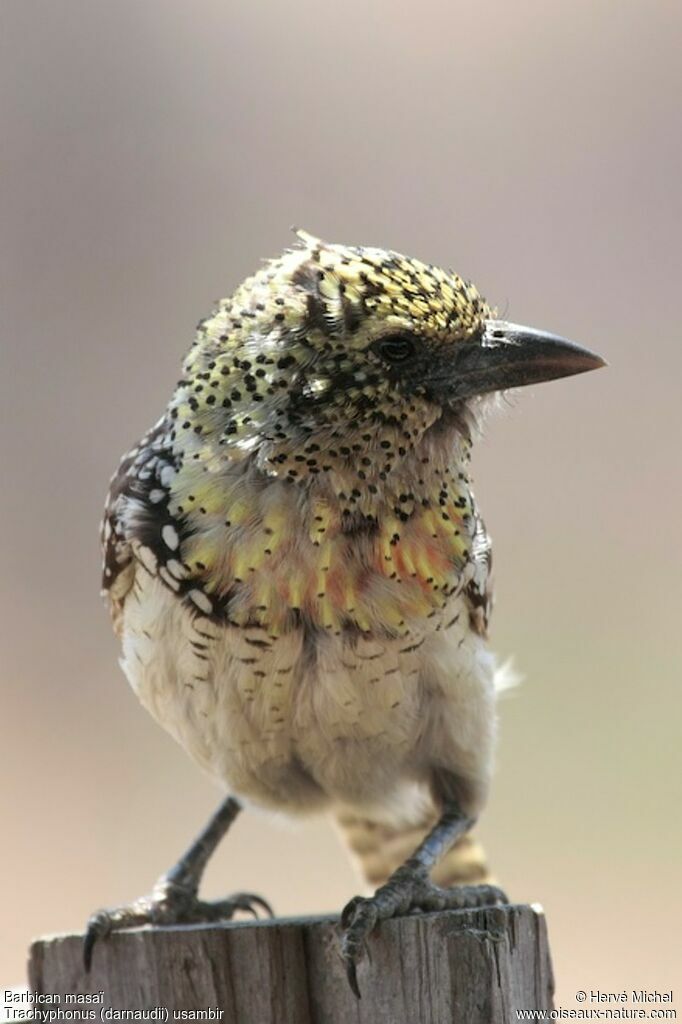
455 967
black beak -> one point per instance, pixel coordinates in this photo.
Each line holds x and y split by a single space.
510 356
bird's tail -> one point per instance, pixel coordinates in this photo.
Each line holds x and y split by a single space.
378 849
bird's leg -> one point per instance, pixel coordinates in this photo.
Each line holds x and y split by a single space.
174 898
410 888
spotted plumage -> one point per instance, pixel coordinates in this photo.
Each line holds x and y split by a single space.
285 384
294 559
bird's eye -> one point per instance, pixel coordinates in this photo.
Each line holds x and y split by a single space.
396 349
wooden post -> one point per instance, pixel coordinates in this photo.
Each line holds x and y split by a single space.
455 967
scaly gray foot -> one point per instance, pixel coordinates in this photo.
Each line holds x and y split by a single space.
408 889
168 903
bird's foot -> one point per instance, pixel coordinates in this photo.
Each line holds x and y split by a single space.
408 889
168 903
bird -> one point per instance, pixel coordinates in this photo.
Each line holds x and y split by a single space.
300 577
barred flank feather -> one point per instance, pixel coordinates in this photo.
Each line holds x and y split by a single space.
378 849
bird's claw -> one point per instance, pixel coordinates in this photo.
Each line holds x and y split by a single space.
168 904
105 921
408 890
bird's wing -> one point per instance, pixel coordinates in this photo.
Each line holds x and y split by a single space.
479 589
138 494
118 568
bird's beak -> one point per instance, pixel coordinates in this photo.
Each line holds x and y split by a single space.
511 356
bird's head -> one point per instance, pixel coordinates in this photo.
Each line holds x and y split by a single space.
335 356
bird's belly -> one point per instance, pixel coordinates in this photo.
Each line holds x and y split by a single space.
282 722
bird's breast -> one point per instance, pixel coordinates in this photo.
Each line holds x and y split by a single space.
273 559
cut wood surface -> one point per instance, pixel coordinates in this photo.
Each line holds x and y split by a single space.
454 967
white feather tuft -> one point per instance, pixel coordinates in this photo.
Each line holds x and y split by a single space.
507 677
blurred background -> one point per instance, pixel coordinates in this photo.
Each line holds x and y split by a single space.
153 153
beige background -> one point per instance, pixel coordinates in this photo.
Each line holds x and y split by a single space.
152 154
